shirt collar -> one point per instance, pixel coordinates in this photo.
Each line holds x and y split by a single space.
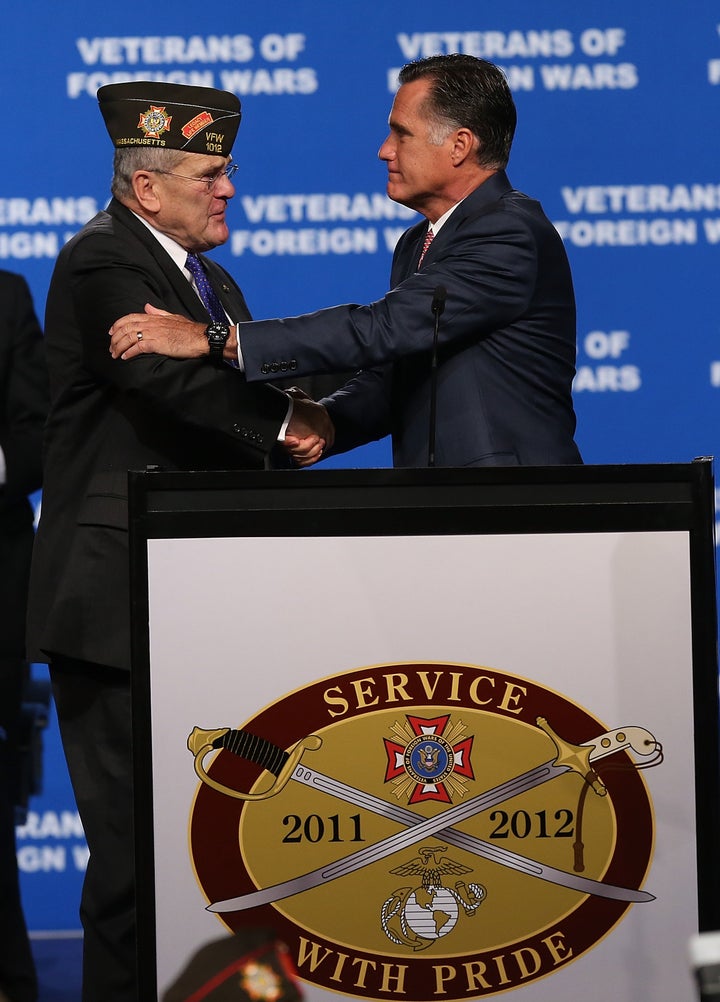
170 246
436 226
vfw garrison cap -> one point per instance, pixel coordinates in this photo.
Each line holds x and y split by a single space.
170 116
251 966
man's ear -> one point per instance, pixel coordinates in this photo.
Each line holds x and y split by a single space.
146 195
464 144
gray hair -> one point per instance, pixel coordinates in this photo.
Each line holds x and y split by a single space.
133 158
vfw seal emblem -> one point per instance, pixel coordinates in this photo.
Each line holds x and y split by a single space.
154 122
428 762
424 831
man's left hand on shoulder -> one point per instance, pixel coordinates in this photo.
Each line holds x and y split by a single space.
157 332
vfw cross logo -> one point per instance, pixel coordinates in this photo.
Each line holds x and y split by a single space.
424 831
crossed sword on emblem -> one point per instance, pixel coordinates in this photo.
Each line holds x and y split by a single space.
288 765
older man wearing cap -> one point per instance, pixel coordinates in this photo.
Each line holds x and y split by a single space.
171 186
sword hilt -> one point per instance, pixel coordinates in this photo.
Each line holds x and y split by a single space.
260 751
574 757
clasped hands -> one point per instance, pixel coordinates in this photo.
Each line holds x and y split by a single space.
310 430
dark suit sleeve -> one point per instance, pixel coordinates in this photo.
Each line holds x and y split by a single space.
110 277
361 409
488 269
24 392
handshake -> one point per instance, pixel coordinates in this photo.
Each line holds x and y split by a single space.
310 431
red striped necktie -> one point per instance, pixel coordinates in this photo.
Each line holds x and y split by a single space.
428 240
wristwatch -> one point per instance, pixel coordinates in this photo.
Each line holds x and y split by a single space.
217 335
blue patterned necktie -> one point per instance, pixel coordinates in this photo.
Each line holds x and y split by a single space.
205 289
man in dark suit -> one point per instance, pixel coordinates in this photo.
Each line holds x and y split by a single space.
506 345
171 186
23 408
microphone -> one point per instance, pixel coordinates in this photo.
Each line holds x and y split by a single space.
437 307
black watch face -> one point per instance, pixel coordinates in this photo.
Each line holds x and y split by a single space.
217 335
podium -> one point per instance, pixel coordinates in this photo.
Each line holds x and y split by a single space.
449 733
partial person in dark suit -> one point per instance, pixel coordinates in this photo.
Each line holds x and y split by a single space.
23 409
171 186
507 339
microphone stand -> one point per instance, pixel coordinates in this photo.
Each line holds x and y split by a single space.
438 305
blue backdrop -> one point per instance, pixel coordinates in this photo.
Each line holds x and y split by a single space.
617 136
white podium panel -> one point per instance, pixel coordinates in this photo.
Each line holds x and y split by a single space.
450 733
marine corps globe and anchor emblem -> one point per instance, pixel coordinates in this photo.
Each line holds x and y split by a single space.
424 831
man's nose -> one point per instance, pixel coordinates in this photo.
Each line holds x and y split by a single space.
224 188
386 152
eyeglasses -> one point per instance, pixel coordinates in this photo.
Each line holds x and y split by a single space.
228 171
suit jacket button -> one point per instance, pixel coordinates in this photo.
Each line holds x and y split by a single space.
293 364
264 368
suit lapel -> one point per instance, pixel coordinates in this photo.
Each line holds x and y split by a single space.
408 254
482 200
191 304
229 294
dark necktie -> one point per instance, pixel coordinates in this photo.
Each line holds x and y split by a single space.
428 240
205 289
